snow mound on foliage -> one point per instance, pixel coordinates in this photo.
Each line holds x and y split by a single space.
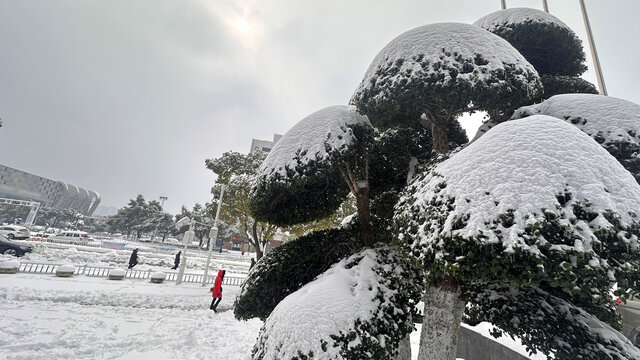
521 167
414 51
357 307
516 16
606 119
313 139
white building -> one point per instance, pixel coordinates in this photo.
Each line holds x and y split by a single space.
264 145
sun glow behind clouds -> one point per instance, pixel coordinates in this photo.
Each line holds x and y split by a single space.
243 26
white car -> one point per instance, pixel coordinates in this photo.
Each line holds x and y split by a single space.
73 236
15 232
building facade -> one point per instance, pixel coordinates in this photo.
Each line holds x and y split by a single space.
17 184
264 145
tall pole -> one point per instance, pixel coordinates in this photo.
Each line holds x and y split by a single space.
504 4
162 199
188 237
594 52
213 235
545 6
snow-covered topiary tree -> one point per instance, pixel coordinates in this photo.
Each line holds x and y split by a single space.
361 308
543 39
433 73
613 123
322 157
285 269
533 202
548 44
534 315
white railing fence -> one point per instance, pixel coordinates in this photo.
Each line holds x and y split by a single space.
103 271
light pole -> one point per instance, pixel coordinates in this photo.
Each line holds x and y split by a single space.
188 238
594 52
213 235
162 199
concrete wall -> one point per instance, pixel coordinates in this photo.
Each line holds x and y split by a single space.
473 346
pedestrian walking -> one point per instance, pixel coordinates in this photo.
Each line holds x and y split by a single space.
216 291
253 263
176 262
242 252
133 260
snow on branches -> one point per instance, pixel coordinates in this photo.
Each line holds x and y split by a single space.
530 200
361 308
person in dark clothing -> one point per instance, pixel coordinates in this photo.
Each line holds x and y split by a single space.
133 260
177 261
216 291
253 263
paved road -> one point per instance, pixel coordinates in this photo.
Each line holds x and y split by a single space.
630 316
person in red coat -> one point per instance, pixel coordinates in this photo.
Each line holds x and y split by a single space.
216 291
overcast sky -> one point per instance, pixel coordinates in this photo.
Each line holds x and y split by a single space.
130 97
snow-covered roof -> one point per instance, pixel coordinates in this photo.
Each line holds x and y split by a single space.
521 166
606 119
414 51
313 139
516 16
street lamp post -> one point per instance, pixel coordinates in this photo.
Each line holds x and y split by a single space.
213 235
162 200
188 238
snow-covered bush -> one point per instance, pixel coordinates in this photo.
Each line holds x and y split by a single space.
304 162
65 270
9 266
614 123
321 158
117 274
287 268
535 316
543 39
533 201
158 277
361 308
433 73
560 84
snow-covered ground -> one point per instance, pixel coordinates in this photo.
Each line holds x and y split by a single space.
48 317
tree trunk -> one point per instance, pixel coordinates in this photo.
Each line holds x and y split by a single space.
256 241
404 349
439 134
443 310
364 217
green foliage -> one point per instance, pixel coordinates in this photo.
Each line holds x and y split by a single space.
440 92
139 216
233 163
552 49
547 323
285 200
559 84
287 268
376 335
393 320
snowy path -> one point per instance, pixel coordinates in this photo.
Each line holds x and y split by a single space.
45 317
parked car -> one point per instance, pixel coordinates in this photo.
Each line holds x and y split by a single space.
14 232
8 247
73 236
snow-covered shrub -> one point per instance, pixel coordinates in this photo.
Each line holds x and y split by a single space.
158 277
543 39
117 274
614 123
533 201
287 268
532 315
361 308
9 266
305 163
65 270
560 84
432 73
